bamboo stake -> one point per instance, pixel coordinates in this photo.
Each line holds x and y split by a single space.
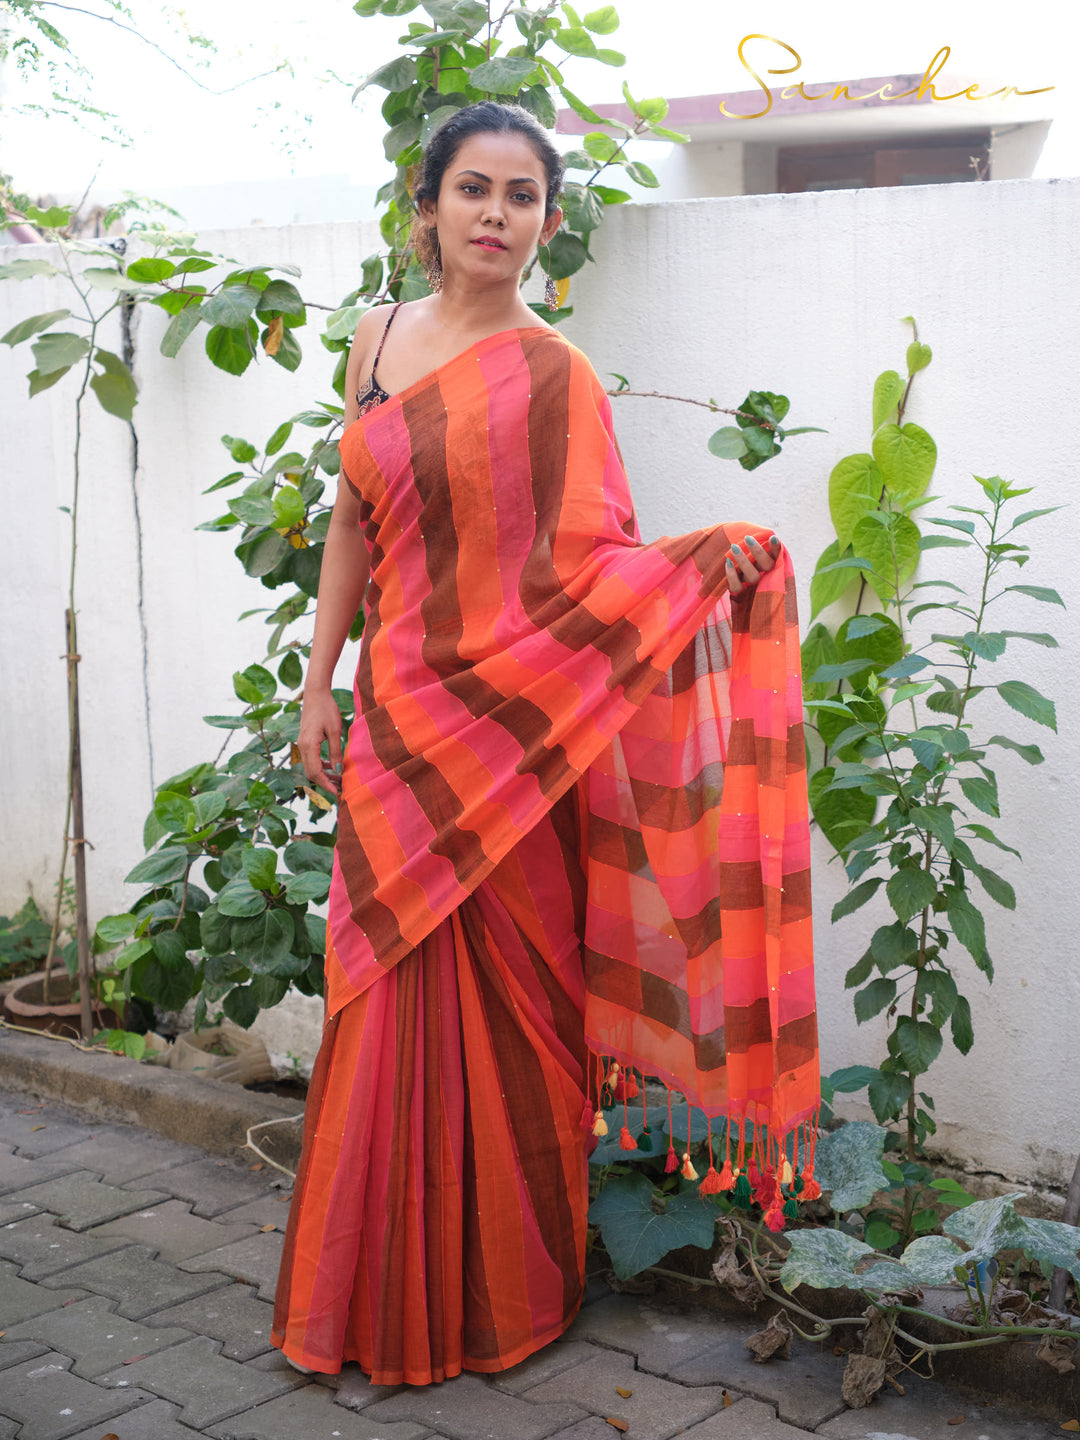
78 840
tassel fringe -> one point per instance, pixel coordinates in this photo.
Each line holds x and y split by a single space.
750 1165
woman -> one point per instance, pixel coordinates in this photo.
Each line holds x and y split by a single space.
572 756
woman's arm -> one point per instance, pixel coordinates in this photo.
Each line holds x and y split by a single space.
342 581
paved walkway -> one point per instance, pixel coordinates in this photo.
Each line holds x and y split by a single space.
136 1277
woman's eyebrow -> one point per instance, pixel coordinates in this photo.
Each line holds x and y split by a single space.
521 179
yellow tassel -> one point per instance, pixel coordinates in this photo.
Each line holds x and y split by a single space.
687 1172
599 1126
786 1173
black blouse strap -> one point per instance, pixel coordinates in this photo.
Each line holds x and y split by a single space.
386 331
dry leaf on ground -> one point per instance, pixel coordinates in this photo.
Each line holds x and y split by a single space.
775 1339
864 1376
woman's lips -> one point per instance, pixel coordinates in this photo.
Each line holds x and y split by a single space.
489 244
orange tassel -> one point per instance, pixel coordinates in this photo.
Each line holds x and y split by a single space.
688 1172
672 1162
599 1124
727 1176
626 1140
811 1190
774 1218
711 1184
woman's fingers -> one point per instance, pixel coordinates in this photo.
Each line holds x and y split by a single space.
321 727
749 561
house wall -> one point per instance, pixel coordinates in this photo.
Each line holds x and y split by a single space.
801 294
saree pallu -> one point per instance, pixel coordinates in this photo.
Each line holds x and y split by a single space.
522 645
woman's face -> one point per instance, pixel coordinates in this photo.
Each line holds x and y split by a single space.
493 190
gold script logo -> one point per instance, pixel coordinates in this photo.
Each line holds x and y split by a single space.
840 92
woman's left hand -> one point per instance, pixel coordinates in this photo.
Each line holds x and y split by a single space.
749 562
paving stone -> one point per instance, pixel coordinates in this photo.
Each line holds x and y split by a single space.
14 1351
466 1408
96 1337
211 1185
19 1299
51 1403
748 1420
17 1173
550 1361
312 1414
81 1201
17 1210
804 1390
656 1408
38 1131
206 1385
120 1153
659 1337
173 1231
269 1209
39 1246
155 1421
929 1411
8 1428
231 1314
593 1427
258 1259
140 1283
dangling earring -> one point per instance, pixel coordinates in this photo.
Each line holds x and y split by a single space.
434 270
551 295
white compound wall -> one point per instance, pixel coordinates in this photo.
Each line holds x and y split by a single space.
802 294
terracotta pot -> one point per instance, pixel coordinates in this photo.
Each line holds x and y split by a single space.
24 1005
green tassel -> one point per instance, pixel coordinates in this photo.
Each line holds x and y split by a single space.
741 1195
645 1140
797 1184
791 1210
607 1100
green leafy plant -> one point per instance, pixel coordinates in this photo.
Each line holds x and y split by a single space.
896 715
233 878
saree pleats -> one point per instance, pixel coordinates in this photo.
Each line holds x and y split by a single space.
438 1221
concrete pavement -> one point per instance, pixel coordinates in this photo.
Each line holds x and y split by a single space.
136 1275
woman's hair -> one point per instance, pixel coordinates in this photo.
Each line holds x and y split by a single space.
487 117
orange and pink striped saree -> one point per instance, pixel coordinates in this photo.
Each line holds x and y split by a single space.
572 844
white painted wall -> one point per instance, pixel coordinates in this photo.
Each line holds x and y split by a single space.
803 294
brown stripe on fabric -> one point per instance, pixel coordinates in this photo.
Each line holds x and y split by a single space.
710 1050
741 739
765 612
796 747
670 808
378 921
527 725
542 595
549 392
424 415
740 885
797 1042
633 988
434 1182
771 758
698 932
748 1025
389 1343
528 1105
617 845
795 904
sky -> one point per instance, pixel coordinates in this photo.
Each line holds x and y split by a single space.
184 136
